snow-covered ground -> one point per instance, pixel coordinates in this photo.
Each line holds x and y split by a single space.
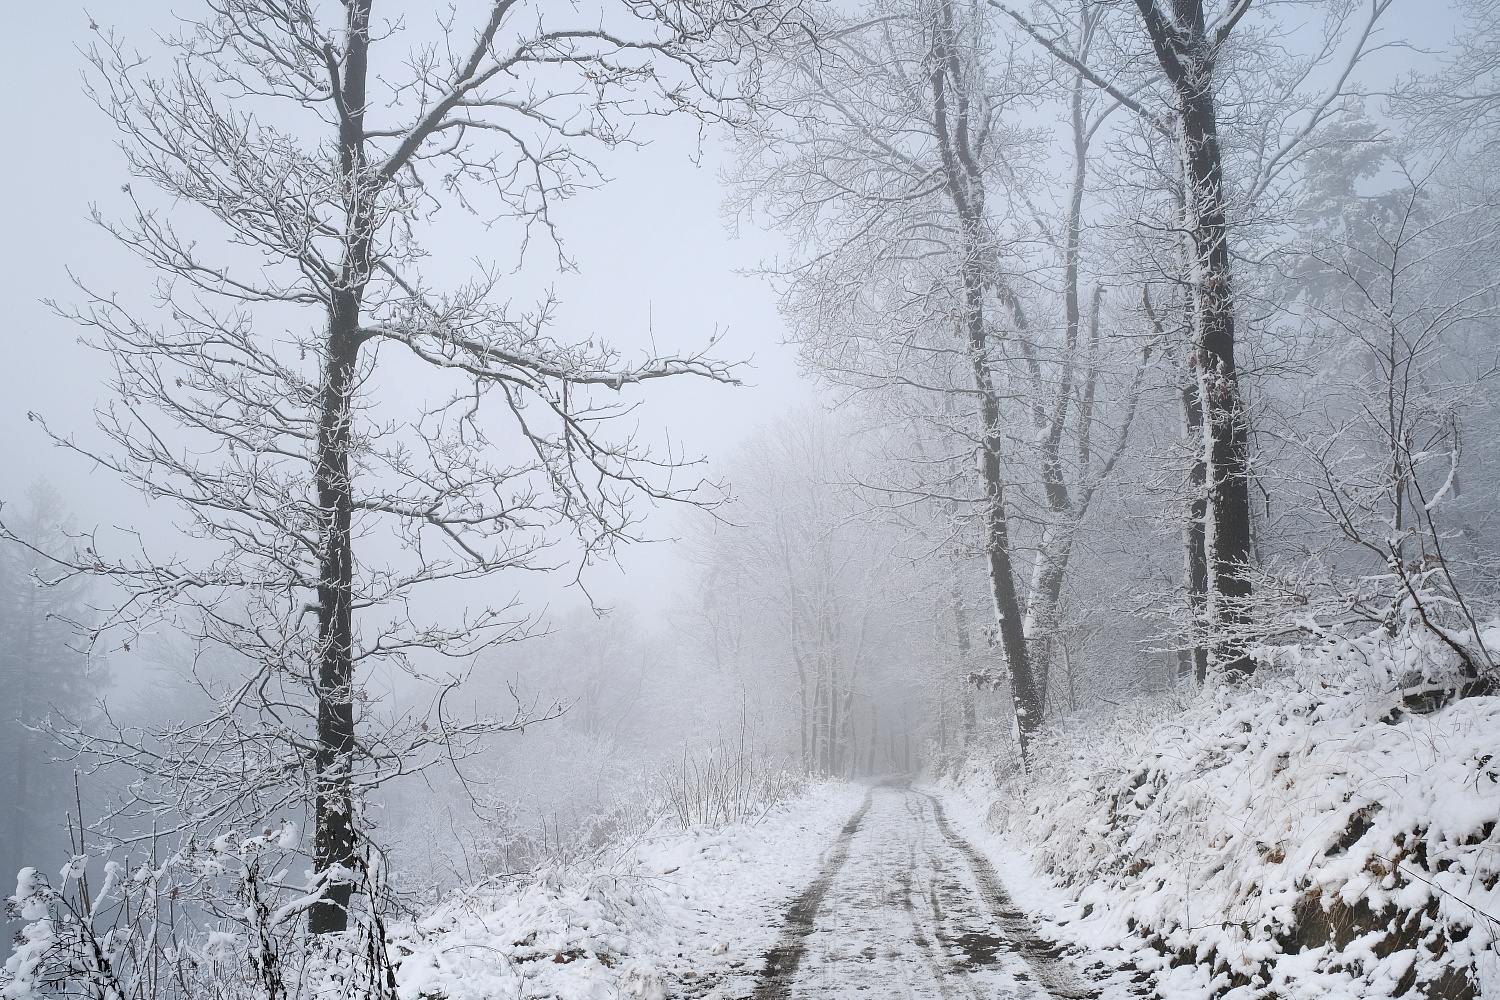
1319 833
850 891
906 907
676 914
1310 835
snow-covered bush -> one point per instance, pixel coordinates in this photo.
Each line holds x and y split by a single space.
726 783
1327 831
219 920
59 952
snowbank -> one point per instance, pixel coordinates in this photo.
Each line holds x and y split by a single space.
1309 835
673 914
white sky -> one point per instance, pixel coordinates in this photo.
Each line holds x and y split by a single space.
651 247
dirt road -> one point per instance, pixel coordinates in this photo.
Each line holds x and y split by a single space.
905 907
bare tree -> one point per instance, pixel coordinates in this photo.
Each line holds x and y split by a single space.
1402 283
1459 105
812 592
900 160
264 393
1281 120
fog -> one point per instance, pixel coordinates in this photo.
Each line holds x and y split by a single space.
652 421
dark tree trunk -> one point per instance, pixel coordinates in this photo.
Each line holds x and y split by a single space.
334 837
1027 698
1186 55
965 187
1195 658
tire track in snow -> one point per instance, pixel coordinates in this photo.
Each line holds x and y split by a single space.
957 915
775 980
1020 936
934 951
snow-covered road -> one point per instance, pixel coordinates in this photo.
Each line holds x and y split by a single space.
849 892
905 907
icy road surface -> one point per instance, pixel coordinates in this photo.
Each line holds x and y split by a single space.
903 906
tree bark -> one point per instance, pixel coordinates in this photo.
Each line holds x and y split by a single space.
965 187
1195 556
965 646
335 835
1187 55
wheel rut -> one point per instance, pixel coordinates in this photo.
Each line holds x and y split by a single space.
1017 931
776 976
904 906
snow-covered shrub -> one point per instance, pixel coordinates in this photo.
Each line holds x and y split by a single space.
60 952
726 783
1327 831
519 837
219 920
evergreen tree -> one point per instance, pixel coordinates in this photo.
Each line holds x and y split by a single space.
42 676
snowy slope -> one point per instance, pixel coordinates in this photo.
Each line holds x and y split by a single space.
1306 836
674 914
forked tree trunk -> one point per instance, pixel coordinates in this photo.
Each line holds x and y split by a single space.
1187 55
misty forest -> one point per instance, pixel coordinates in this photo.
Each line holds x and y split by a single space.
751 499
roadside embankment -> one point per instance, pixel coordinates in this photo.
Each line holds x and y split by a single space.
1327 830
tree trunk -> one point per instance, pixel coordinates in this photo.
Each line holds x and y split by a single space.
964 185
1186 55
848 761
334 835
804 728
1046 594
1195 556
1056 545
965 645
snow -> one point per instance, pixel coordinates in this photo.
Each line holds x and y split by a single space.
1216 845
669 915
858 891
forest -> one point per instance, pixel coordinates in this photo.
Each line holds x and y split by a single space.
1101 599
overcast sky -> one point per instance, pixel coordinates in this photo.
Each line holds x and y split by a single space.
652 251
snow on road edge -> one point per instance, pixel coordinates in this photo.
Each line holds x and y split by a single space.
1051 909
674 913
